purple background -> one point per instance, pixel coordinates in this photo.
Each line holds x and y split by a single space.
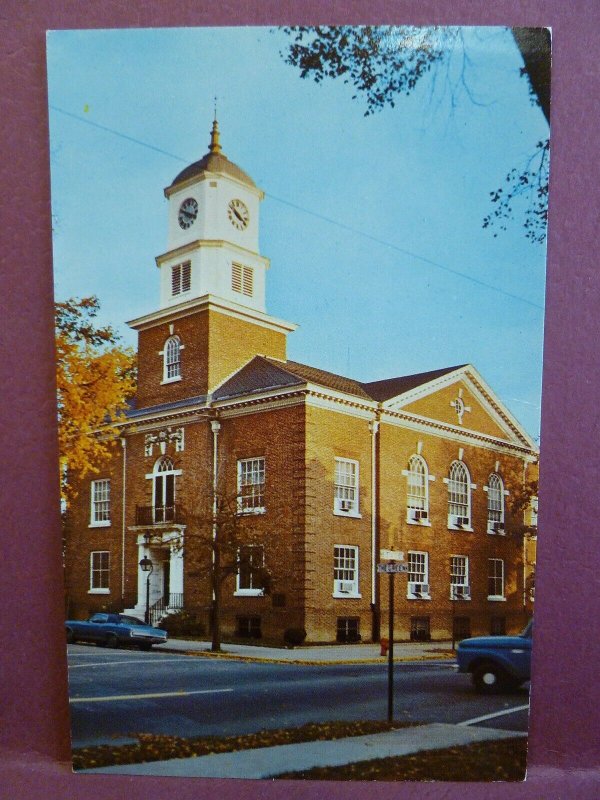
34 724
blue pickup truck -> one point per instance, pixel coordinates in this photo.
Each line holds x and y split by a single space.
497 663
114 630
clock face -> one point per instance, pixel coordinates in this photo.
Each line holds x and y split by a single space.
188 211
238 214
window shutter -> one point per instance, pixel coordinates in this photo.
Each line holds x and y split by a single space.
186 277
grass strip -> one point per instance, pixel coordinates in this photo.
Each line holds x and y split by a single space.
500 760
160 747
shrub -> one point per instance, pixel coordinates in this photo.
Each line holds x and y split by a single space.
294 636
183 623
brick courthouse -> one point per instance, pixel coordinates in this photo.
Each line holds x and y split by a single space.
326 470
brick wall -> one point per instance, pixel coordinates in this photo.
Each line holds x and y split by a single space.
214 346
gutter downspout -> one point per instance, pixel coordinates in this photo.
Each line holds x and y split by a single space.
123 508
374 428
215 426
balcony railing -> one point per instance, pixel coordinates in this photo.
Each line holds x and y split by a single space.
157 515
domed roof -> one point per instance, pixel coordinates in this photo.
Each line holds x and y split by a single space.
213 161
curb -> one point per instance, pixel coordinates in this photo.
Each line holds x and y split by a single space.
303 662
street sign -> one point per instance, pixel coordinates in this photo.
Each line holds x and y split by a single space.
391 555
392 568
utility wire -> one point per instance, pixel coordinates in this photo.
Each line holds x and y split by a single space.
329 220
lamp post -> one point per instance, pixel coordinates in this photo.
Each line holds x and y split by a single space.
146 565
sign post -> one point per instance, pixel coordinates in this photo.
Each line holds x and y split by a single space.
391 567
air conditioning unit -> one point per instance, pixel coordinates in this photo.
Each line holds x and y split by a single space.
345 587
417 514
498 527
418 589
345 505
461 592
462 522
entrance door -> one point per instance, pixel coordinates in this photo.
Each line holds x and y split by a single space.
166 572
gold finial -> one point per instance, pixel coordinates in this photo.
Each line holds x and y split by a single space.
215 147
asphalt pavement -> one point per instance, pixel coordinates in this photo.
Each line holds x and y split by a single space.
430 669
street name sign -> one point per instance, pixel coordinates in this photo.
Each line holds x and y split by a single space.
391 555
392 567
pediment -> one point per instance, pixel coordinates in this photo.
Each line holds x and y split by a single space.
463 400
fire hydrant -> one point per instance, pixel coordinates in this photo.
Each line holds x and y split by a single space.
385 643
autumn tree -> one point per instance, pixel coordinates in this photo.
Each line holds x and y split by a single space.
384 63
220 542
95 379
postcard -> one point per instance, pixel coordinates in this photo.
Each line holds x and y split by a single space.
299 284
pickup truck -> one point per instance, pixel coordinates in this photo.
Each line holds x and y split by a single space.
114 630
496 662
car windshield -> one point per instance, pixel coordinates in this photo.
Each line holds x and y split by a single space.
526 632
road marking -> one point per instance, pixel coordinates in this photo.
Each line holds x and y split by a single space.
495 714
127 661
149 696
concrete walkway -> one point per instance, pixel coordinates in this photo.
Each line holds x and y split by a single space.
319 654
267 762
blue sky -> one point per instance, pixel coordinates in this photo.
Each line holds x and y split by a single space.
366 220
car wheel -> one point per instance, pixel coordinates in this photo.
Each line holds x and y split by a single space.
70 637
490 679
112 641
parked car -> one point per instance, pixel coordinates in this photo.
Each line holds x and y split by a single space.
114 630
496 662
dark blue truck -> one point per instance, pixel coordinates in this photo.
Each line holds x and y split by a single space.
496 663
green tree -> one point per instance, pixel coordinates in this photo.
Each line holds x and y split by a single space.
383 63
95 378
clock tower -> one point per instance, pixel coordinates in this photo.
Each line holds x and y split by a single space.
212 277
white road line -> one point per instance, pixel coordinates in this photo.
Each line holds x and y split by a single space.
152 695
495 714
127 661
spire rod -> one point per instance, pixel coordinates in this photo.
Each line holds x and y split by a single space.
215 147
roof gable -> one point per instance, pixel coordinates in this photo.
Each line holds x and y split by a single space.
460 397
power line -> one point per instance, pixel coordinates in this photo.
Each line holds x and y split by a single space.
315 214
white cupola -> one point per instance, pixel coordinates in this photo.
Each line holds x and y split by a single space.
213 224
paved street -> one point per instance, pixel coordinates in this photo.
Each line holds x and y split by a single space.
117 693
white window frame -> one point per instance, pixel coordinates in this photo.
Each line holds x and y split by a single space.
417 502
251 474
345 571
346 488
242 279
250 591
494 577
181 278
457 507
100 503
533 511
495 504
171 364
100 571
163 467
418 575
460 588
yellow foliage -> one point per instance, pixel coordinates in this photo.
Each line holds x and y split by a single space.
94 383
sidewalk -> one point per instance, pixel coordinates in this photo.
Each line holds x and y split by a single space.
319 654
269 761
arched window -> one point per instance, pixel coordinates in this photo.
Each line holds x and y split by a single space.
459 496
172 359
417 490
163 490
495 493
